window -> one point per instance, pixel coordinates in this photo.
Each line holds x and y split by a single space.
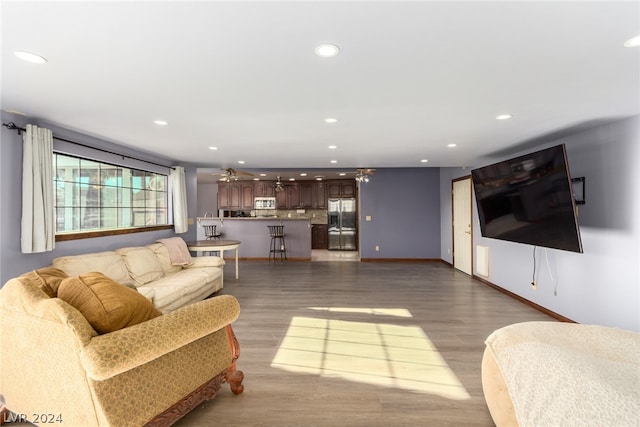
95 196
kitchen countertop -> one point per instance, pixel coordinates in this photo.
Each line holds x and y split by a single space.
234 218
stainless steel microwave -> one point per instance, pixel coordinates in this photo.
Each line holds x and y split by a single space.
264 203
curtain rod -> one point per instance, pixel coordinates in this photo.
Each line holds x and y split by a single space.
13 126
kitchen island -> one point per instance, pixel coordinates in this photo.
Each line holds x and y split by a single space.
254 235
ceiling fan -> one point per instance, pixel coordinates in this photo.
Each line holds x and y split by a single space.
279 185
362 174
231 174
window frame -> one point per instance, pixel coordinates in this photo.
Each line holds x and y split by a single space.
78 234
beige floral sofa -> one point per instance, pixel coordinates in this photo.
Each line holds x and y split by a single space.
87 351
150 270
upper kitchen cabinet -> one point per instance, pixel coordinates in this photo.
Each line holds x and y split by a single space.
305 194
302 195
235 195
282 201
264 189
229 195
319 198
343 188
246 191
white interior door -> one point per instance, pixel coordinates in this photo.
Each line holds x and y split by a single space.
462 231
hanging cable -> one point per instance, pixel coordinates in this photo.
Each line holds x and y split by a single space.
533 277
553 280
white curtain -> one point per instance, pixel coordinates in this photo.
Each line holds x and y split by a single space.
179 193
38 211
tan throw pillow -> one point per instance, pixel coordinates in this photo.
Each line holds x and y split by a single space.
106 304
48 279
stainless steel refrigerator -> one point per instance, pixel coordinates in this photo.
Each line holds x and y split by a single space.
342 224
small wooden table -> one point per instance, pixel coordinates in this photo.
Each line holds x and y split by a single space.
214 245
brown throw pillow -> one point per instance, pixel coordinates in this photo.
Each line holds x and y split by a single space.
48 279
106 304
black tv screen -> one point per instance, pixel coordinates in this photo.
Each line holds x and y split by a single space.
529 199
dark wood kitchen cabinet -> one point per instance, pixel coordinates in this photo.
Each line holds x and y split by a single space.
293 196
289 198
281 199
319 195
342 188
305 194
319 236
235 195
247 196
264 189
229 195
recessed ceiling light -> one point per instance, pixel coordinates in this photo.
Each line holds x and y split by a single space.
330 120
332 147
303 174
632 42
30 57
327 50
256 179
504 117
318 178
333 161
342 173
424 161
292 179
451 145
242 162
160 122
263 174
213 148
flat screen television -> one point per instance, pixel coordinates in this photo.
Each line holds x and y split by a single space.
529 199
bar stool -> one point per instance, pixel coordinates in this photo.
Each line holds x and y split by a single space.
278 245
210 232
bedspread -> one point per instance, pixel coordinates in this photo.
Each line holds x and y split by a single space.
564 374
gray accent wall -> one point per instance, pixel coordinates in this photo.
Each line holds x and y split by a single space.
207 199
404 205
602 285
12 261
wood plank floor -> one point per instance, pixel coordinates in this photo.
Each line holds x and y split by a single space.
331 386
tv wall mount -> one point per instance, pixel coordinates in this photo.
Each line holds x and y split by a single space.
578 190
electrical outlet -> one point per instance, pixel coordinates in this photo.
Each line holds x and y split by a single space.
534 285
377 248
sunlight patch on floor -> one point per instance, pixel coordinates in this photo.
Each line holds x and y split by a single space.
374 353
397 312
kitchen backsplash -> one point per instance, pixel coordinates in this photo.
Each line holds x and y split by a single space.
316 216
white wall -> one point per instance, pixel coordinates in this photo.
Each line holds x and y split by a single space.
602 285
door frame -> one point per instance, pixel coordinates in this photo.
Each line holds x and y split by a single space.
453 240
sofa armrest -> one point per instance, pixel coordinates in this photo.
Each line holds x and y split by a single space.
206 261
114 353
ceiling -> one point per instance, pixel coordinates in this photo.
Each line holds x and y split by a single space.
410 78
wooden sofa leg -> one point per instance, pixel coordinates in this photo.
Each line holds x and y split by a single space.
234 378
